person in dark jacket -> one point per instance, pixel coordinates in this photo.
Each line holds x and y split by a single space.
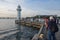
51 34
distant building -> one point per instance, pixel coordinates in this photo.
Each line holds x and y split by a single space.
29 19
44 16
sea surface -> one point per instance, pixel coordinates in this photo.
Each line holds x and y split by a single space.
11 31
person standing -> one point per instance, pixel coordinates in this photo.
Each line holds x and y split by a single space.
52 28
46 22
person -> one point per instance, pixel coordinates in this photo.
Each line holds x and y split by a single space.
51 32
46 22
56 20
46 27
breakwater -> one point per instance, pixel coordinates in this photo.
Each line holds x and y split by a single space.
30 24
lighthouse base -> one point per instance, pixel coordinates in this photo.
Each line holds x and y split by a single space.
17 21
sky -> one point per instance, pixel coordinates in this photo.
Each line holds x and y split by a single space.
29 7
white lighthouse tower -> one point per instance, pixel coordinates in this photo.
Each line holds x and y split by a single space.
18 15
19 12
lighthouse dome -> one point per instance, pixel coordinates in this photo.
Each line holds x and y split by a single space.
19 8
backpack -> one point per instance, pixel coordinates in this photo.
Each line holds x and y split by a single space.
53 26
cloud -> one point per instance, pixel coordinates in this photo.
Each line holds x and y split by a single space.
7 12
29 12
13 1
49 12
29 7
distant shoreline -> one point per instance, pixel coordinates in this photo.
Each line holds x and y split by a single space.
7 17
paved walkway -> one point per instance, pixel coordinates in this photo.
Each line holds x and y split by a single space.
58 34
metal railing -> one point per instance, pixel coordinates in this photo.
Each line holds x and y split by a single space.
41 31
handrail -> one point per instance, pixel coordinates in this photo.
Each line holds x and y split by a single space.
37 35
44 32
40 30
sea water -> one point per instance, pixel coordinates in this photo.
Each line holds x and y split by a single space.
11 31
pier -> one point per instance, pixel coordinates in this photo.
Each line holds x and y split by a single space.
39 25
43 35
29 24
42 30
36 22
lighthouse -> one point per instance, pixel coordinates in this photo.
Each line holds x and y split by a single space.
19 12
18 15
